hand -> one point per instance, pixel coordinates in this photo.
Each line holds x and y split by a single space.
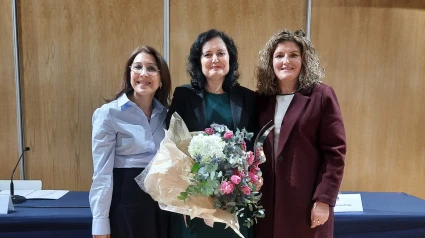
319 214
102 236
259 184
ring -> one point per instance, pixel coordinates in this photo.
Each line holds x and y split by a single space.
318 221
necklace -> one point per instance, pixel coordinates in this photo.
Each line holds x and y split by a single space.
291 93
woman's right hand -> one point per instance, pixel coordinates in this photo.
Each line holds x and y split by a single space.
102 236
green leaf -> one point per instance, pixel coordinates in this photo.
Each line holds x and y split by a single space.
215 167
183 196
195 168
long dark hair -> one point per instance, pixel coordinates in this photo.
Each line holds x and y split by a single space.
194 67
163 93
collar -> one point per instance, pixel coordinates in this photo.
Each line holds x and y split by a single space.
157 106
124 102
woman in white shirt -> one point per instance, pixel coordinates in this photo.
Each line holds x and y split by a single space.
126 135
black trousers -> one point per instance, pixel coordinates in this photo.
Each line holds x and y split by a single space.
133 213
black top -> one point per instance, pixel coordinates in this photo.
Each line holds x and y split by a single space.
191 107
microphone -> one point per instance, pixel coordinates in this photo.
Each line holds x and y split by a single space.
17 199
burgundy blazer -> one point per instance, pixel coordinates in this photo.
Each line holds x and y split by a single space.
308 167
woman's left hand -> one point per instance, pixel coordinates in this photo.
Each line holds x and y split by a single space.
319 214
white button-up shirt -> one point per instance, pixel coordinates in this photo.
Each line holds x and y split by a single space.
122 137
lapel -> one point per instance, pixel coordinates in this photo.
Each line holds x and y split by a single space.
291 116
270 106
236 103
198 106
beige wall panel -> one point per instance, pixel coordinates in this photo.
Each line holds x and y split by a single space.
249 23
73 54
8 125
374 55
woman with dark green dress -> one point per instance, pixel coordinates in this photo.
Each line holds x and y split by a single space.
213 96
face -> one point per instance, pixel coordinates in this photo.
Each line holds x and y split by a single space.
145 77
287 61
215 59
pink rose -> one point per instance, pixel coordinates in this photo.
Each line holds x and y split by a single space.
235 179
250 157
246 190
254 168
239 173
228 135
227 187
244 145
209 131
253 177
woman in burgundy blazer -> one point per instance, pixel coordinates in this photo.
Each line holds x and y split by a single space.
305 154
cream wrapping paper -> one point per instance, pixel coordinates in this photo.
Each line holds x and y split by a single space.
168 174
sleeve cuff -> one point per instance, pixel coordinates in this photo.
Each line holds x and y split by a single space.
100 226
326 199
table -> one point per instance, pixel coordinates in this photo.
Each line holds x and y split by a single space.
385 215
389 215
67 217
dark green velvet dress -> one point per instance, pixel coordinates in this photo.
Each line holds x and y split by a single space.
217 110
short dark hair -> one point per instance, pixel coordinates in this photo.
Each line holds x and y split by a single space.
194 67
163 93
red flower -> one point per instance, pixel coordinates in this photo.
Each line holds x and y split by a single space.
253 177
244 145
250 157
209 131
235 179
228 135
246 190
227 187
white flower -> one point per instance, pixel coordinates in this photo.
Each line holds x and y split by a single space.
233 160
206 147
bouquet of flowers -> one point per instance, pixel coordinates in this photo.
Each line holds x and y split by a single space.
207 174
225 171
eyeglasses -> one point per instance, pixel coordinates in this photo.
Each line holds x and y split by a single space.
150 70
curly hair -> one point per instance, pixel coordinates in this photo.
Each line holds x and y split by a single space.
163 93
311 71
194 67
